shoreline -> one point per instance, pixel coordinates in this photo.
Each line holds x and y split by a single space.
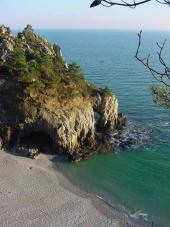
98 202
35 193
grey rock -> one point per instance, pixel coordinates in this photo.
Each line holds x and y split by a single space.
6 42
28 152
71 125
69 129
1 143
57 50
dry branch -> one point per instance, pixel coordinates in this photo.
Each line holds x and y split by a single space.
162 76
133 4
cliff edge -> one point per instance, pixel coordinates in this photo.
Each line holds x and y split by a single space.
41 96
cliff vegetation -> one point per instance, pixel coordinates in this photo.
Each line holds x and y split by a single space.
40 93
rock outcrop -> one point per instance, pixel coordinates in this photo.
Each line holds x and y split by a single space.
63 112
107 108
6 42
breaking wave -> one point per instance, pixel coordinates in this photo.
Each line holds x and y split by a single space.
132 135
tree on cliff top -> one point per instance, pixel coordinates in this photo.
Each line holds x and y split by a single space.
28 28
161 92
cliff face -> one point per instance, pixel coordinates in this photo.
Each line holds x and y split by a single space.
107 108
70 126
65 110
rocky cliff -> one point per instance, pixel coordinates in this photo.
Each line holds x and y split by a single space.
40 94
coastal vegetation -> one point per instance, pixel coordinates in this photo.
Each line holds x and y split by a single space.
40 70
161 95
41 93
107 91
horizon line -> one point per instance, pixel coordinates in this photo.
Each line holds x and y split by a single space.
97 29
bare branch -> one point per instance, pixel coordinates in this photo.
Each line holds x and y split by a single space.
161 76
161 94
109 3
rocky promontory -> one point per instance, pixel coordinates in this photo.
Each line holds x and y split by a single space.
44 98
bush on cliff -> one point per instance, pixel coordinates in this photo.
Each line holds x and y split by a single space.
34 62
75 72
107 91
16 64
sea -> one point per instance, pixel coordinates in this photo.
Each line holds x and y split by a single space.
135 181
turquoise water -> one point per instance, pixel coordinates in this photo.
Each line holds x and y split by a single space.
138 180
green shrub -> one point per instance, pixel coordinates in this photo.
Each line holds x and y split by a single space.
161 95
75 72
35 85
107 91
16 64
40 71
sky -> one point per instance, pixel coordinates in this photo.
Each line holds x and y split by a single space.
76 14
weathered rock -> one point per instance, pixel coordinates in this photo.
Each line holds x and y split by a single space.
57 50
127 143
121 121
9 134
28 152
1 143
107 107
68 130
70 123
6 42
32 42
70 127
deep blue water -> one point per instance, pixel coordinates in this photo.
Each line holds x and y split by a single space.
137 181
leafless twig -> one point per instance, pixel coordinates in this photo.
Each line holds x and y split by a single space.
133 4
161 76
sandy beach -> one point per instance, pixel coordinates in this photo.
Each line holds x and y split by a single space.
31 195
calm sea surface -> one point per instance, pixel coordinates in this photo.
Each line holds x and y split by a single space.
137 181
